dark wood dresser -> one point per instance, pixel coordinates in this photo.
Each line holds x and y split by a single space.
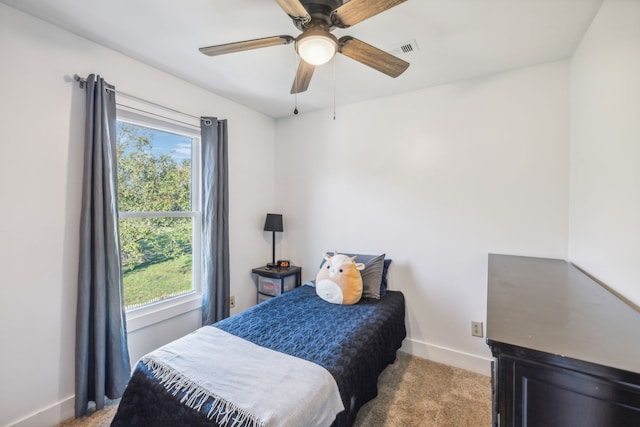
566 351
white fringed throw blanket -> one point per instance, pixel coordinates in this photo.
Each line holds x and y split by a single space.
259 386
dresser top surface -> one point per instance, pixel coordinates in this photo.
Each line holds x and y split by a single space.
551 306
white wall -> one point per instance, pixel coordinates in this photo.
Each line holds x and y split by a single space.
436 179
40 188
605 149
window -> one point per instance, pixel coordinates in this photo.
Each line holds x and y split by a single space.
159 211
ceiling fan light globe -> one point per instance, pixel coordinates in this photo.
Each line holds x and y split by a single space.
316 49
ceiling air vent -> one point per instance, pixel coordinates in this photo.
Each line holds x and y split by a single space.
405 48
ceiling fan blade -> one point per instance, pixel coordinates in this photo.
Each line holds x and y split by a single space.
222 49
303 77
294 9
355 11
372 56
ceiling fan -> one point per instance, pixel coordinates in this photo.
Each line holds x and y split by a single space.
316 45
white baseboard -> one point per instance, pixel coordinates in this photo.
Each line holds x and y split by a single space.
447 356
50 416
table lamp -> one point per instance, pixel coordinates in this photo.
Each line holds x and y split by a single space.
273 223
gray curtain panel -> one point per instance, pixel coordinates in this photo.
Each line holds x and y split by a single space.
215 220
102 357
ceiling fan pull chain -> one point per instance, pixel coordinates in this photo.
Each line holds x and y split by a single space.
296 62
334 88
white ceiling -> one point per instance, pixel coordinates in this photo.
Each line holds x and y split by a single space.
457 39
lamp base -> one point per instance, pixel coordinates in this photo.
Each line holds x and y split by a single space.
271 265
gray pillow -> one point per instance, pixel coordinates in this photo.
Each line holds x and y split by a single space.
371 275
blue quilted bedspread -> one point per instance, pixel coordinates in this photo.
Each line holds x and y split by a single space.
354 343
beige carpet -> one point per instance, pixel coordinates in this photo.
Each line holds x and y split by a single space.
413 392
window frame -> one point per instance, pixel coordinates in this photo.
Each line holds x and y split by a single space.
154 312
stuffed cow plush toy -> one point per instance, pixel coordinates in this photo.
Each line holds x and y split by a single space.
339 280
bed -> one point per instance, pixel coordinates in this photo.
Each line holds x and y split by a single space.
352 343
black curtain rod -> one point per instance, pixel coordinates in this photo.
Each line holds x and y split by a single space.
82 81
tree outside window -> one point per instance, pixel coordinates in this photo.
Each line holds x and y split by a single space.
159 216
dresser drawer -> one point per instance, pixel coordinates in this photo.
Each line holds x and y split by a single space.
271 286
263 298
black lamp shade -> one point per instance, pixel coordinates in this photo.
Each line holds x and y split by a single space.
273 222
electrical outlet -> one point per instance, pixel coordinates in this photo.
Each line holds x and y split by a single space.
232 301
476 329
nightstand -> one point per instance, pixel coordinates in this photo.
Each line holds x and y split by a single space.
273 281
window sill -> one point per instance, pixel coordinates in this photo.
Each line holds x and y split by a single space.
143 317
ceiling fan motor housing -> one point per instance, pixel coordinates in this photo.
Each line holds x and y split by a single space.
321 13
